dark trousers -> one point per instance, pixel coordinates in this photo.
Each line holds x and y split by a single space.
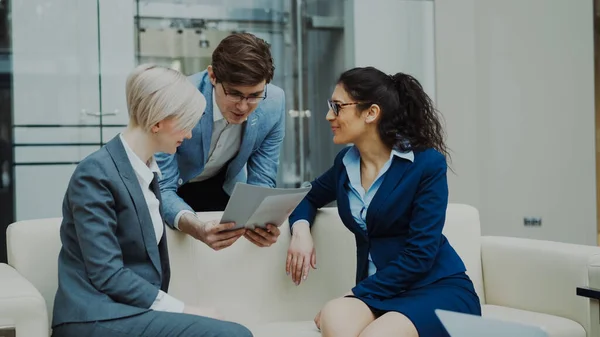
154 324
207 195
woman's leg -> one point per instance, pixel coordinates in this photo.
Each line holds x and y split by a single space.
167 324
155 324
392 324
345 317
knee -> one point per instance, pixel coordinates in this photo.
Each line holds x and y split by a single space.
400 331
332 313
236 330
229 329
391 323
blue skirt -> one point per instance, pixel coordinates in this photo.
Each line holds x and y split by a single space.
453 293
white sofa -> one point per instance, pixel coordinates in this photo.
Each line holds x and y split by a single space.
517 279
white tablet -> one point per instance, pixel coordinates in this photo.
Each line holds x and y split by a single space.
463 325
253 206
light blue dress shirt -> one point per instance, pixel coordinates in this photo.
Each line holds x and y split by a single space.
358 198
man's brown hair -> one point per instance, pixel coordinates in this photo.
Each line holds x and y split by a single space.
243 59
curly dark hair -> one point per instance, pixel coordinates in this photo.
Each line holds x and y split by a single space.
409 120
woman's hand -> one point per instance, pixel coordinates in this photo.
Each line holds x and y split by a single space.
301 253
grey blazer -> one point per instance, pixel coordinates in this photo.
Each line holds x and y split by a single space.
110 265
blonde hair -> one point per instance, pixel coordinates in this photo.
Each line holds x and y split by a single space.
155 93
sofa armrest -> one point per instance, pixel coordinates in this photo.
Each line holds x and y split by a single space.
21 305
542 276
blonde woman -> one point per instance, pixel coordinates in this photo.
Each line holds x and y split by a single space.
113 268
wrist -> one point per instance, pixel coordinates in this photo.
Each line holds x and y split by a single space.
189 224
301 229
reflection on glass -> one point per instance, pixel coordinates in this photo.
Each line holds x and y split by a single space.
306 39
183 34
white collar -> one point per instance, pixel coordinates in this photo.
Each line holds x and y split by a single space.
354 155
409 155
217 115
145 172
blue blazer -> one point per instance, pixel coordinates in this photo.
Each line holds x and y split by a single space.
404 224
109 265
256 163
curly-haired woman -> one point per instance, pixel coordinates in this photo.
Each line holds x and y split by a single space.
392 193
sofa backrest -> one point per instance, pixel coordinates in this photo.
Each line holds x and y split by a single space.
463 230
33 247
245 282
248 284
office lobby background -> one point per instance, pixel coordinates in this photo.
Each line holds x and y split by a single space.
514 79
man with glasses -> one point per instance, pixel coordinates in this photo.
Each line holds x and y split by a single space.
238 139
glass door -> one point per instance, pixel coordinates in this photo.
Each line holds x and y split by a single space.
320 58
69 61
116 57
6 153
56 113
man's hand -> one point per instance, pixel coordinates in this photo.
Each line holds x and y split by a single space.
215 235
262 237
202 311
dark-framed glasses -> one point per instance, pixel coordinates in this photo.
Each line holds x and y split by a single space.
237 97
337 106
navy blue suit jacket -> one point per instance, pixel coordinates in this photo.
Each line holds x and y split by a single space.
404 224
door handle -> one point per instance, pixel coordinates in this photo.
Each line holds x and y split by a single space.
299 113
98 114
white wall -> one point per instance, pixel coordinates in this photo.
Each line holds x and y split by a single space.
515 82
394 36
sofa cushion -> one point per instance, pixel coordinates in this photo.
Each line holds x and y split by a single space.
287 329
554 326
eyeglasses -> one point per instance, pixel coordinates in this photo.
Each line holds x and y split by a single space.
237 98
336 107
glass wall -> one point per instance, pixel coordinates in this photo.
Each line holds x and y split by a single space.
6 155
63 66
307 43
